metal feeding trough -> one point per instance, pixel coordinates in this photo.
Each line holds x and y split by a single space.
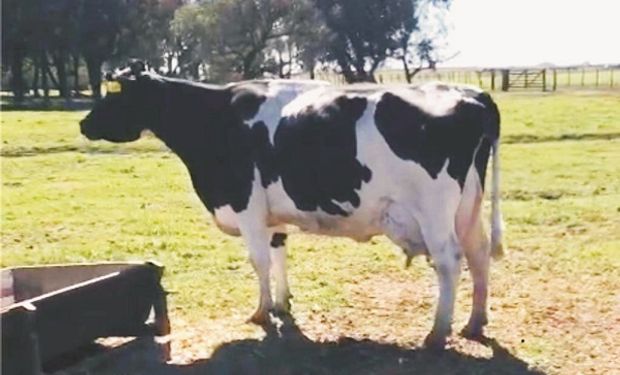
50 311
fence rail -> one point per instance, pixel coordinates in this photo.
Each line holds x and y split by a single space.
547 79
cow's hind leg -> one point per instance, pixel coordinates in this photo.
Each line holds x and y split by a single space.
477 253
445 251
278 247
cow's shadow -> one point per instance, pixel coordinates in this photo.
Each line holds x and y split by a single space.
286 350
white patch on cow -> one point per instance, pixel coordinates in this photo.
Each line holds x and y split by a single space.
279 94
312 98
345 206
226 220
436 98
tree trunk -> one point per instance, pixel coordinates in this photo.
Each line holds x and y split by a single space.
59 60
93 65
345 68
17 76
196 71
35 79
44 69
248 61
250 58
76 75
47 74
360 74
363 76
406 68
169 59
371 73
280 64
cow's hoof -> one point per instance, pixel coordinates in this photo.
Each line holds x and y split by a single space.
473 331
435 341
282 308
475 327
260 317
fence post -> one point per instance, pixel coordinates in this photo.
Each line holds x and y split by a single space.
583 76
611 77
493 79
525 78
505 79
597 77
568 83
544 79
555 79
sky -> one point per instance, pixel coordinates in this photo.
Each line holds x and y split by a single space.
502 33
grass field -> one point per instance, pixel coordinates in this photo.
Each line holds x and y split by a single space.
554 304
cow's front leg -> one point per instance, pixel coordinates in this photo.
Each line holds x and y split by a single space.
252 224
257 242
278 247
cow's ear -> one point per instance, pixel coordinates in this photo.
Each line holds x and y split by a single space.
137 67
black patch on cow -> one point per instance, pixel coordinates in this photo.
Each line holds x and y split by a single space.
315 154
429 140
264 154
482 158
246 100
278 239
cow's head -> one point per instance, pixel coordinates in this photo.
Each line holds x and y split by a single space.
127 108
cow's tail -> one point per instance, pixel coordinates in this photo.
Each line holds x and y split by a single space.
497 247
491 125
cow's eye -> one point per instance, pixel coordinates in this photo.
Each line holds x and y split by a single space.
112 87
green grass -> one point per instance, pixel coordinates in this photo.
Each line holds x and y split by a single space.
554 298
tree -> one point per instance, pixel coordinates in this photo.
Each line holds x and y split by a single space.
45 36
99 26
365 33
191 40
308 35
144 28
243 29
17 40
418 41
61 38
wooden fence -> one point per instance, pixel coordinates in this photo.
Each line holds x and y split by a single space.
548 79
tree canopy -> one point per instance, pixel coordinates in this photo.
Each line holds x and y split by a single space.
46 43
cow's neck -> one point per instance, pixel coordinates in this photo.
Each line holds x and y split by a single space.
195 122
189 116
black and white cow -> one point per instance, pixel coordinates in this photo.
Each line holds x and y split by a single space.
358 161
